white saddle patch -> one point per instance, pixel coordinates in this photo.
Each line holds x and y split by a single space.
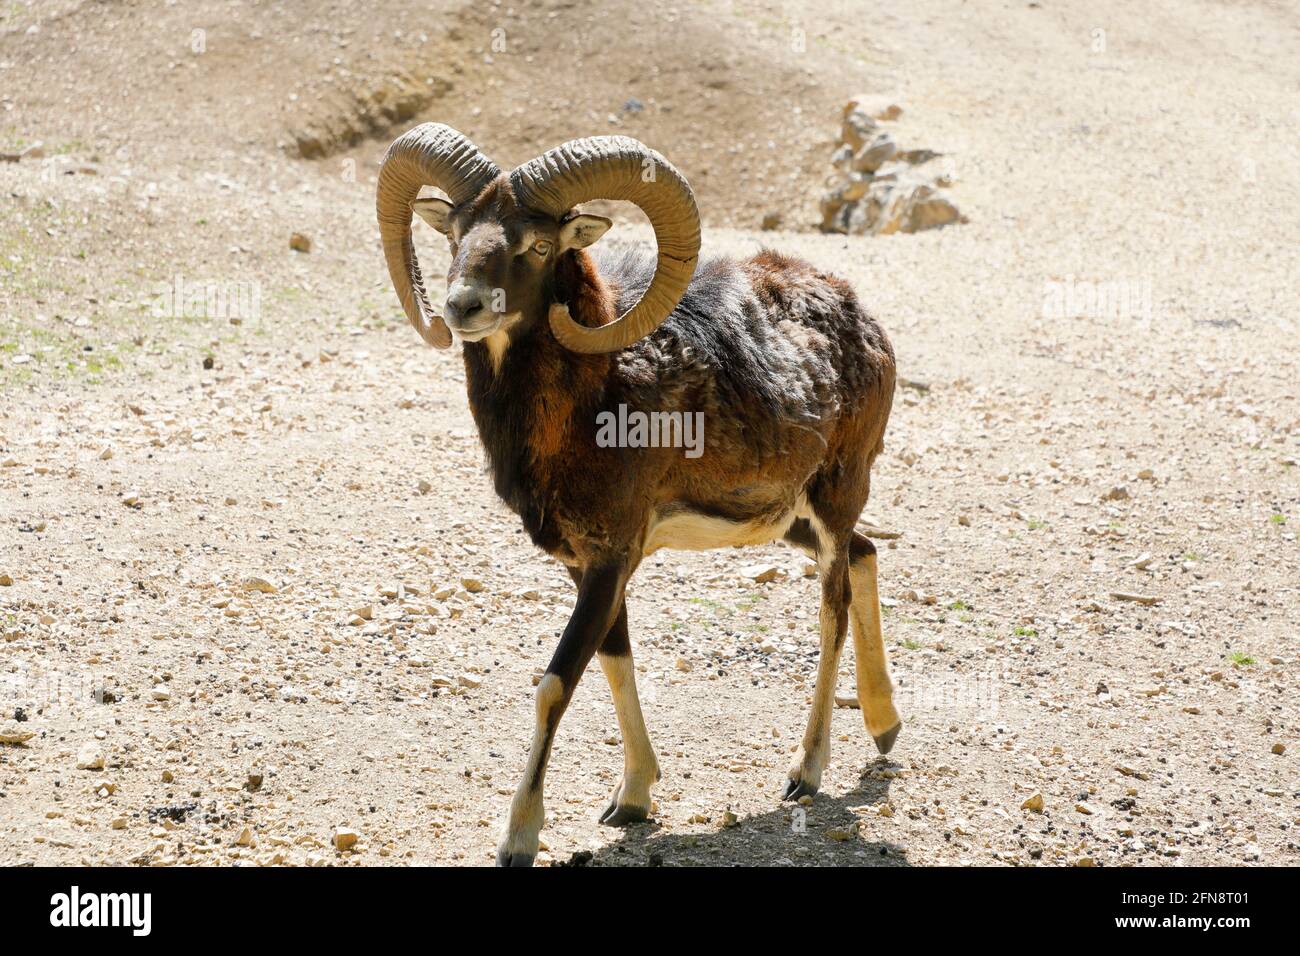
691 531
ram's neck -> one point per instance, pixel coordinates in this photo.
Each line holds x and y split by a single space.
534 401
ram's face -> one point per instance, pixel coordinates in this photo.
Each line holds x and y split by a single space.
502 259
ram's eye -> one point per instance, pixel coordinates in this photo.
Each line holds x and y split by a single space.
542 246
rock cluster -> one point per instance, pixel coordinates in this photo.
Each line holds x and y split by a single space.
878 188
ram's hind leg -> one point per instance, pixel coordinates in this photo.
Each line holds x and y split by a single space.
631 800
806 774
875 689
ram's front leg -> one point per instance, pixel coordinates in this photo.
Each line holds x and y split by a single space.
600 595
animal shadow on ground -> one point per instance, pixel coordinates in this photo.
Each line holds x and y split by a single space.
825 833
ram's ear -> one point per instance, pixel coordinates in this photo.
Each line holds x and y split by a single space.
436 212
581 231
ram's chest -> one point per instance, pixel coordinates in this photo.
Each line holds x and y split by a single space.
580 508
543 470
551 435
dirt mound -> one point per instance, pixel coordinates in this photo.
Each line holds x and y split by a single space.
746 107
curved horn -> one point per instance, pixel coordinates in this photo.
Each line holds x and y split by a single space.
428 155
618 167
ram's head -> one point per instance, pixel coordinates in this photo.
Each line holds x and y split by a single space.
509 232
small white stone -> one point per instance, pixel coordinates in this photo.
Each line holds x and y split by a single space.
90 757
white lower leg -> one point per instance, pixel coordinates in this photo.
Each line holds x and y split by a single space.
815 750
521 834
640 768
875 689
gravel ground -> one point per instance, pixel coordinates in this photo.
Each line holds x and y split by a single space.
255 588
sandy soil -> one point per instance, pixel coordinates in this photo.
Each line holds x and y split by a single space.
192 512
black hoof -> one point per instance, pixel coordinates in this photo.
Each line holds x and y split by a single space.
794 789
885 742
616 816
514 859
